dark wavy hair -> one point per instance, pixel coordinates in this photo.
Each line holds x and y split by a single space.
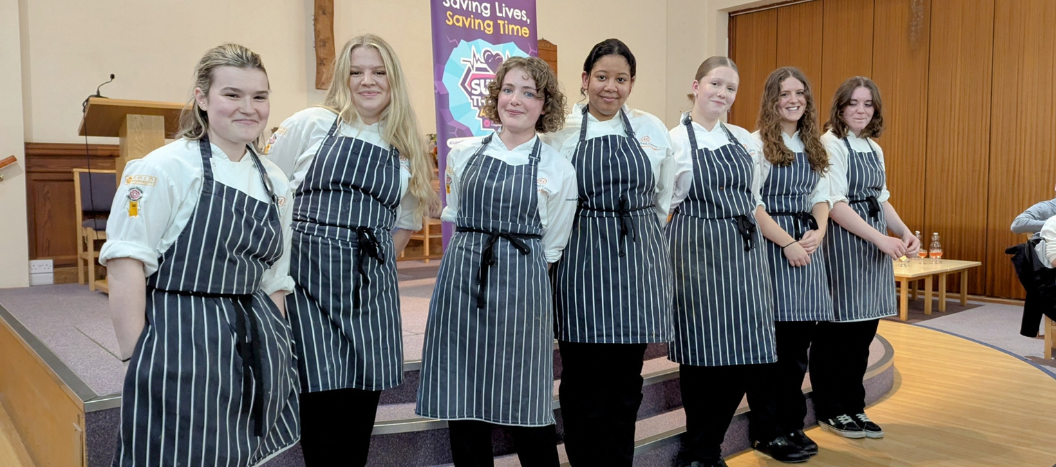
842 100
769 123
553 117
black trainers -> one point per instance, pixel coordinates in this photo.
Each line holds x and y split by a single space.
871 429
781 449
801 439
842 425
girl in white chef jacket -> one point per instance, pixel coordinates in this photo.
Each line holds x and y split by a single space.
198 253
362 177
612 288
859 254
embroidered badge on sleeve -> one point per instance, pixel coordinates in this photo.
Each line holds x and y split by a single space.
134 195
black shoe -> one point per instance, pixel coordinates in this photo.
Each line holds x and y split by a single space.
781 449
871 429
801 439
842 425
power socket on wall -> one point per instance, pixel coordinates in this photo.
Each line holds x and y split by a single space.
41 272
38 266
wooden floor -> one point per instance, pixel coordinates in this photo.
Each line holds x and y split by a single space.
955 403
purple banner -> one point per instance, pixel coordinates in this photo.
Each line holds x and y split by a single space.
470 40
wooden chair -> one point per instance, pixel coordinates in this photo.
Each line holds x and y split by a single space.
94 193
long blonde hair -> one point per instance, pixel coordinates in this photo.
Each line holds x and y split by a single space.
194 123
399 123
769 123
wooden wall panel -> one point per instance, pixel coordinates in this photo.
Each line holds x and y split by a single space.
1022 160
958 136
753 47
49 196
847 45
799 31
900 70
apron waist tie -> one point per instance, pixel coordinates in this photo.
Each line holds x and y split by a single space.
626 226
801 219
367 246
246 333
746 228
488 259
874 206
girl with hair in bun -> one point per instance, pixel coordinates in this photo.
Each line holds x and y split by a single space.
613 286
858 256
198 256
362 176
488 355
723 301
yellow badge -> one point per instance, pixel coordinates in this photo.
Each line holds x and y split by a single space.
134 195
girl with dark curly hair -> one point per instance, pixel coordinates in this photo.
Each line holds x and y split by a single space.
488 354
795 193
858 254
613 286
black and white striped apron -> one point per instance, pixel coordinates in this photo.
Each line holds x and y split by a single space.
860 274
723 305
613 283
489 340
800 293
211 381
345 307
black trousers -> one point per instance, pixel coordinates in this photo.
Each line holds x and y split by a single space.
790 405
839 357
710 396
351 409
471 444
601 390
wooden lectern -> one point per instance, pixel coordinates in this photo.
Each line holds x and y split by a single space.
141 125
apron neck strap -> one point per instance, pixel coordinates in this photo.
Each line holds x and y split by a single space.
623 117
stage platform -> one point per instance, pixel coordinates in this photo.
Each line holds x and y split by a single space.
64 331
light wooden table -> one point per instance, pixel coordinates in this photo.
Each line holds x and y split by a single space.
905 275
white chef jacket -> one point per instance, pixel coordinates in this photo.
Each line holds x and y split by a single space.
293 146
822 191
556 186
1047 247
838 158
170 182
648 130
711 140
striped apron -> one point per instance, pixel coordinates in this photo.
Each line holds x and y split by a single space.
860 274
723 304
800 294
489 340
211 381
345 308
613 283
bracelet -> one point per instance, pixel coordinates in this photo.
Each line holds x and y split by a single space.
790 244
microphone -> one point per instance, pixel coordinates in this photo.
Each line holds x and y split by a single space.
84 105
104 84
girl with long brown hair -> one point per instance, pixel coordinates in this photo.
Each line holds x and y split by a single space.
795 194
